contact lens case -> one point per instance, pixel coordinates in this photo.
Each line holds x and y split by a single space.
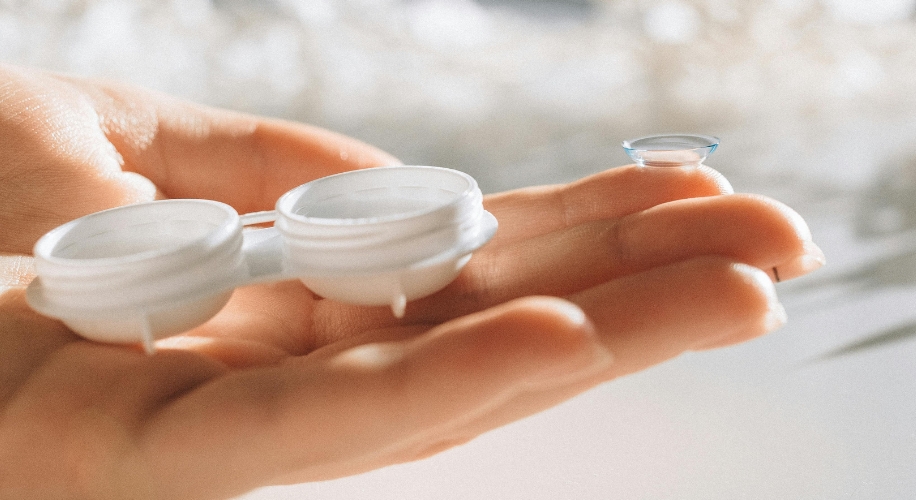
381 236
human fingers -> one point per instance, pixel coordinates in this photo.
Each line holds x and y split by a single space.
528 212
747 228
324 417
646 319
653 316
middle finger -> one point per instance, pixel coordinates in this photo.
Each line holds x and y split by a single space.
747 228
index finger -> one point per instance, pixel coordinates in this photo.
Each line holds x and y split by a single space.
530 212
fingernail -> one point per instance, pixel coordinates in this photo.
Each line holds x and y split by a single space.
811 260
775 318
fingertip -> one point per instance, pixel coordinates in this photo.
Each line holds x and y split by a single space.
569 339
795 220
693 181
758 279
800 255
811 259
764 311
550 321
137 188
768 313
531 341
720 181
554 309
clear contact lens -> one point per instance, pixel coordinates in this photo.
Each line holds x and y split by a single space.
670 150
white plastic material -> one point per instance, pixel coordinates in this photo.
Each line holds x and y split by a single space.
143 272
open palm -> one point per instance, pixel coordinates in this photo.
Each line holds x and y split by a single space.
583 283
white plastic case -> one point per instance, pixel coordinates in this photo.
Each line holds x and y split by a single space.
142 272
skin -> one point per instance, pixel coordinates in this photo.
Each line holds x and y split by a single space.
584 283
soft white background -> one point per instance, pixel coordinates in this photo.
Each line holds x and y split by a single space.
815 102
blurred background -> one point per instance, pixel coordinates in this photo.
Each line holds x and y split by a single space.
815 103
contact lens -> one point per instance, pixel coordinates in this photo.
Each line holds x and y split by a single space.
670 150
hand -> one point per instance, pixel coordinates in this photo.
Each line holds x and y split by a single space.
583 283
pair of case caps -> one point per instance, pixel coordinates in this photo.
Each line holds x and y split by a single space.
143 272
